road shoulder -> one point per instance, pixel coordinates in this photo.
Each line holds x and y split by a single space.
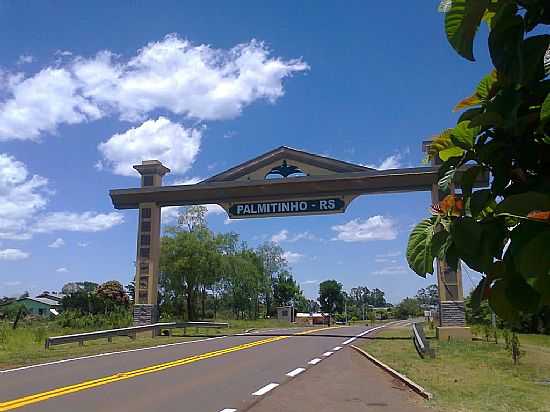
346 382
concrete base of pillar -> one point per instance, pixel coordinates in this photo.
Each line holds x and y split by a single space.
453 333
145 314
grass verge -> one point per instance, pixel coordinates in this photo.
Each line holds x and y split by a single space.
25 345
473 376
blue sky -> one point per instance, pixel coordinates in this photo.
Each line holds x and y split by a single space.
88 90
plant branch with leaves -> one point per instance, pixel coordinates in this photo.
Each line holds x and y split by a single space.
502 231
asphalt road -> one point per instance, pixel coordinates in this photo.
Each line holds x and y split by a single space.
220 374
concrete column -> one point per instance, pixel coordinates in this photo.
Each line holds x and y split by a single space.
452 316
148 247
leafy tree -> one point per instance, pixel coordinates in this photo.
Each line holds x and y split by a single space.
428 296
285 288
113 291
408 307
188 259
502 231
273 262
376 298
192 218
331 297
73 287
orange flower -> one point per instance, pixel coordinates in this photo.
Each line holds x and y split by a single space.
450 205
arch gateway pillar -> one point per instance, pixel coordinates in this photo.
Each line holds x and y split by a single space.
148 247
308 184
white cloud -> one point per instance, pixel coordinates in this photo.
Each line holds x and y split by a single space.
292 257
77 222
171 143
12 283
280 237
196 81
285 236
391 270
310 282
62 270
25 59
83 244
21 197
57 243
42 102
13 254
390 162
374 228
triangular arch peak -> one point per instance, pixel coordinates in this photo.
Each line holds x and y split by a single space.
286 162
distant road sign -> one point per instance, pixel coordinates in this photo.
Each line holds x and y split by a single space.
286 208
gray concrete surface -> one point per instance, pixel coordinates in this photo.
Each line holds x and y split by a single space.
223 382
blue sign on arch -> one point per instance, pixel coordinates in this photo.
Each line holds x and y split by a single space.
287 207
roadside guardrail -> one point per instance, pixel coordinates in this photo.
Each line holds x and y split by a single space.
130 332
421 344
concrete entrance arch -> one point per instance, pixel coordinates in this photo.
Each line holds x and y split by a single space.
282 182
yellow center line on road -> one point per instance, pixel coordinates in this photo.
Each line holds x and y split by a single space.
54 393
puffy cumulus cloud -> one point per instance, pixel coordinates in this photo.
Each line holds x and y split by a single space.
77 222
22 196
57 243
292 257
42 102
23 199
171 143
374 228
196 81
13 254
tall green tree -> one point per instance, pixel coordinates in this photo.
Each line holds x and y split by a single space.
285 289
331 297
273 262
502 231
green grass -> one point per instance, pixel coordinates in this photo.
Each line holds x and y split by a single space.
473 376
25 345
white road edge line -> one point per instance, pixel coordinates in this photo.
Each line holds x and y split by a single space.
295 372
327 354
228 410
337 348
99 355
314 361
265 389
348 341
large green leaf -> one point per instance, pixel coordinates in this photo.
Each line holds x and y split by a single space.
453 151
521 204
499 302
485 87
467 179
529 249
545 110
467 235
533 50
445 182
419 247
463 135
505 42
479 200
461 23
